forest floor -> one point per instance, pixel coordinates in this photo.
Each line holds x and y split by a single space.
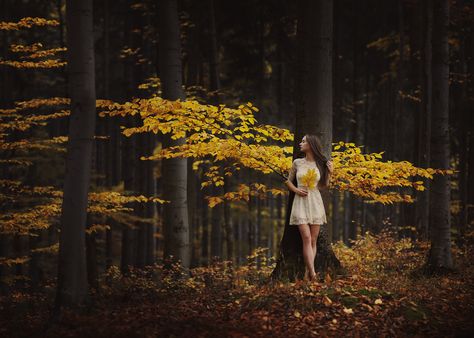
382 296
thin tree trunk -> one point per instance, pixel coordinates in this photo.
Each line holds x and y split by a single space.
111 153
336 216
129 152
422 205
193 63
250 218
219 221
205 232
91 256
195 218
258 227
228 220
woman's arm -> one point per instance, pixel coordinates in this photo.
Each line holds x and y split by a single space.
291 177
289 181
295 189
290 186
330 167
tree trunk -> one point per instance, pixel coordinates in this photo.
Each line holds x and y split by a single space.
357 112
192 67
91 256
464 114
439 256
470 138
72 276
424 130
175 214
229 231
217 225
218 220
336 216
129 152
313 115
205 231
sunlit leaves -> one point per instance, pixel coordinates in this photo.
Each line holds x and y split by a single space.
244 192
223 134
152 82
53 63
25 122
44 206
27 23
309 179
367 176
33 55
232 135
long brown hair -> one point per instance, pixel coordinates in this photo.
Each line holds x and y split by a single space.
316 147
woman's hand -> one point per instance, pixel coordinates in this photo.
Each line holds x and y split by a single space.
301 192
330 166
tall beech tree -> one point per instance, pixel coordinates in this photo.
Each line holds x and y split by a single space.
439 256
72 276
314 106
175 214
424 126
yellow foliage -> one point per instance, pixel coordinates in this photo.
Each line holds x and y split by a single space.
373 254
46 206
13 261
35 50
48 249
243 193
52 63
27 23
97 228
231 135
309 179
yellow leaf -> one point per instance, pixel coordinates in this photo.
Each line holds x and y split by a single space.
348 310
327 301
309 178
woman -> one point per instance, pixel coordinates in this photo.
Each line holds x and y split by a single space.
312 173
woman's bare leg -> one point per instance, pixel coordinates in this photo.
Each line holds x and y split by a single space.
308 254
314 229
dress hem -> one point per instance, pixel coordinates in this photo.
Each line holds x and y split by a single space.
313 222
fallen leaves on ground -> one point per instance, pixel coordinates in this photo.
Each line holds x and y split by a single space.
382 296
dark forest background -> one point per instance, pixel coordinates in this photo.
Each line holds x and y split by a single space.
383 89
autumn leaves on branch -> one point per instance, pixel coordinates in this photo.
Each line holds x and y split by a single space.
219 135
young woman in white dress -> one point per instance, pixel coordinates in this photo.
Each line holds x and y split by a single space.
307 210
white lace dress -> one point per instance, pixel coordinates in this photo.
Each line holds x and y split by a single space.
307 209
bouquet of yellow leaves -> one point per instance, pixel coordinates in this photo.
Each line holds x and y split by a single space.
309 179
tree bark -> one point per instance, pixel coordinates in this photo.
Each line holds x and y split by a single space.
175 218
219 219
72 286
439 256
313 115
424 130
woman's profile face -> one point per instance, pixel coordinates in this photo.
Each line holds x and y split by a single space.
304 146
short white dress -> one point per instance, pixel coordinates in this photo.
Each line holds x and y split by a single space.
307 209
